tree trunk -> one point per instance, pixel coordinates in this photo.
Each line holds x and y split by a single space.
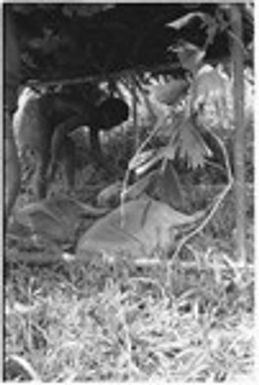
239 146
134 111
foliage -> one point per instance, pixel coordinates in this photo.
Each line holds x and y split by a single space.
188 136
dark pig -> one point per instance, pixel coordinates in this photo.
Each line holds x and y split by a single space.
43 123
110 113
105 116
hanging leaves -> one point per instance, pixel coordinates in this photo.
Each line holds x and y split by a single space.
185 142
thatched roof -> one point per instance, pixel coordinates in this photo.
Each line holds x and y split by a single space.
67 40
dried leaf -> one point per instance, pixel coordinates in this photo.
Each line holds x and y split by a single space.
185 20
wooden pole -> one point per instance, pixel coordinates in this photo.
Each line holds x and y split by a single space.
116 75
134 111
239 145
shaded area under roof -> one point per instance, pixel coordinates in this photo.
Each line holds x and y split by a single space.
61 42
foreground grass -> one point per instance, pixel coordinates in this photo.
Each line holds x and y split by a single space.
94 323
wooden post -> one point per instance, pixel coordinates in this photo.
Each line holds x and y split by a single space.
239 145
134 110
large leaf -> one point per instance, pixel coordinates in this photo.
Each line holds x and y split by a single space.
190 56
141 186
210 86
145 225
110 195
141 158
167 152
169 186
142 162
192 146
171 92
145 160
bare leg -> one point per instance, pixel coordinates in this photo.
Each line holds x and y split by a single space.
96 149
